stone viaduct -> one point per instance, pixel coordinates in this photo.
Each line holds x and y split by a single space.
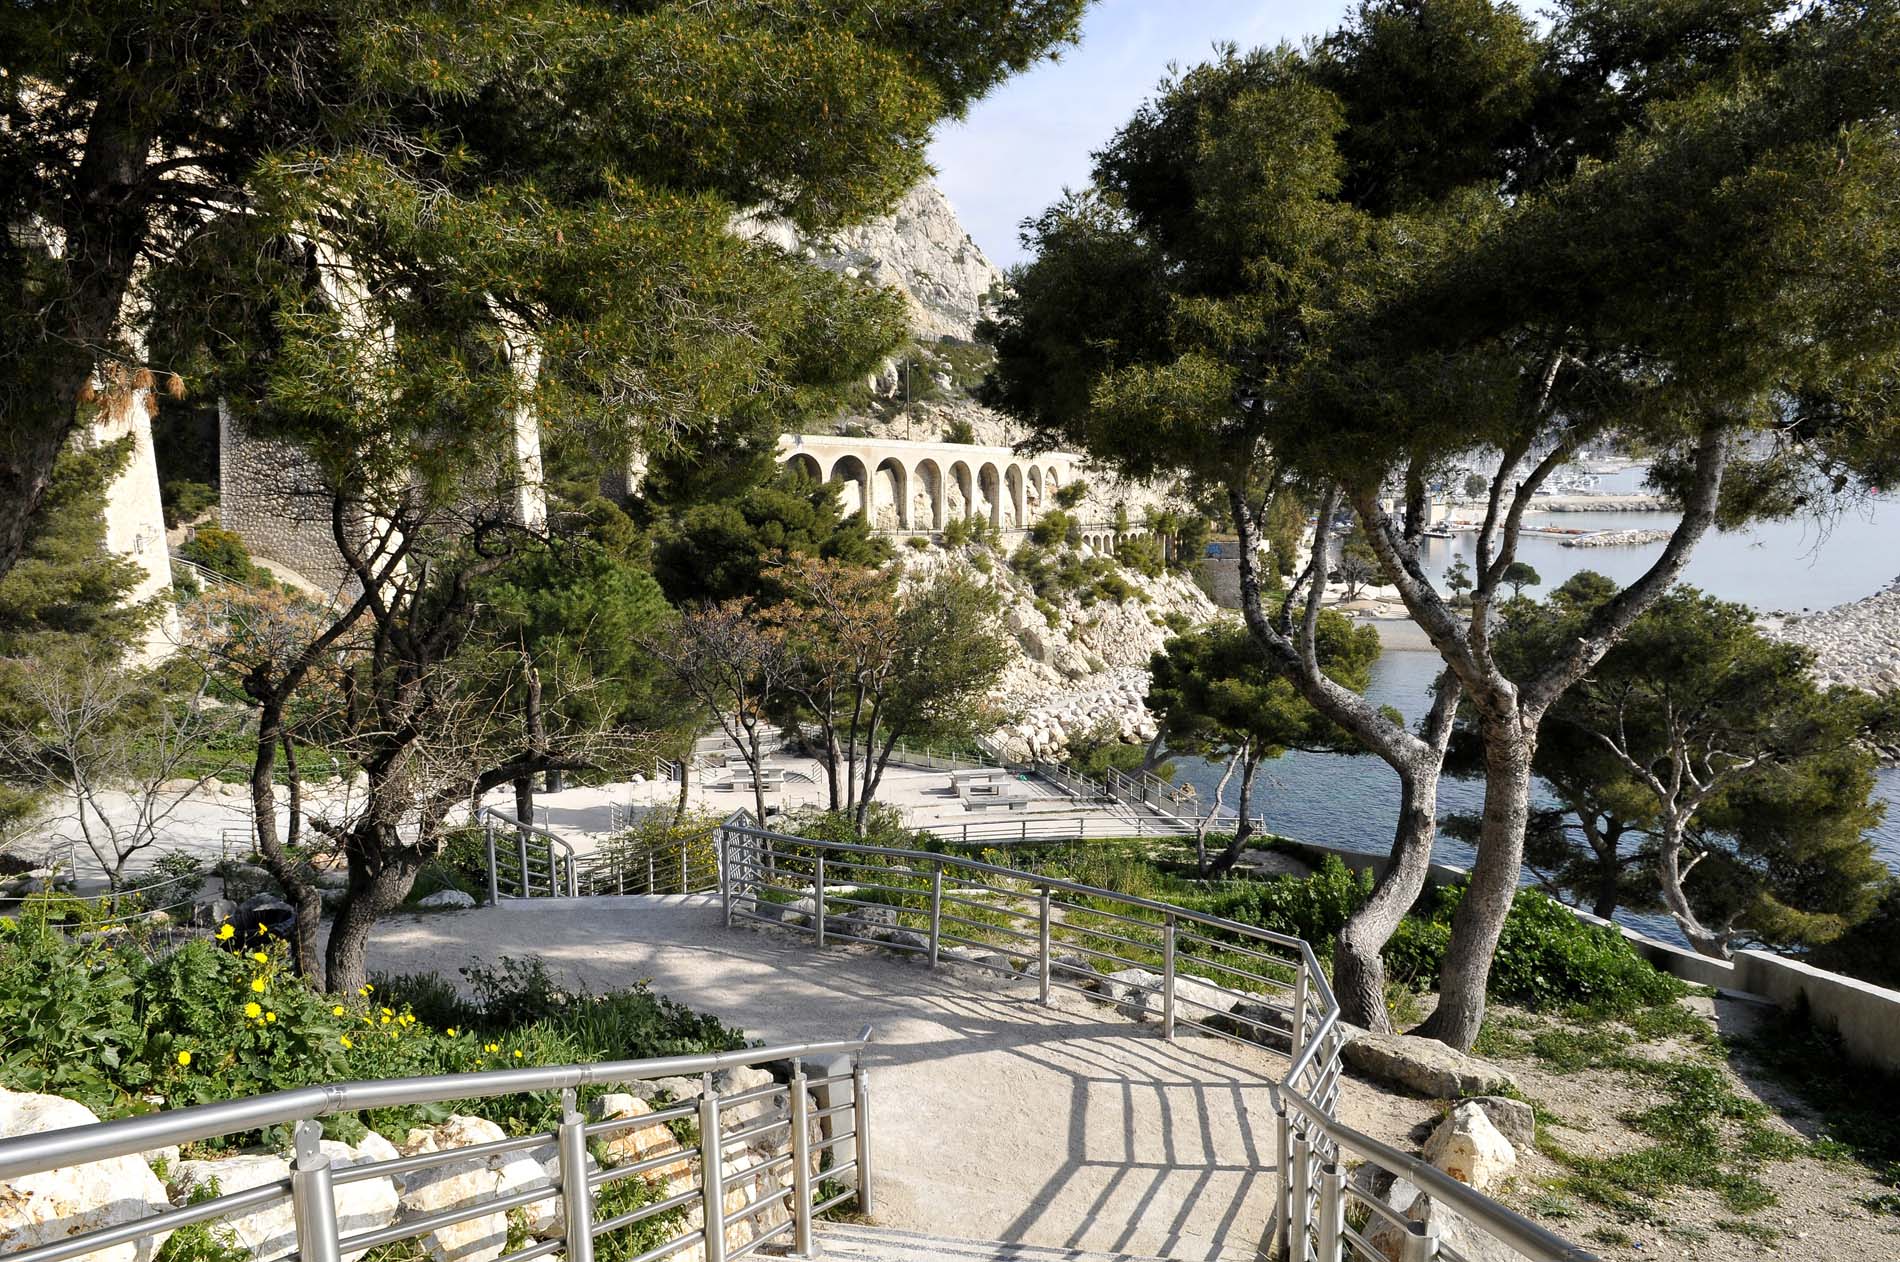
920 487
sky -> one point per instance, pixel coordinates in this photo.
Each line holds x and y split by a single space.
1031 138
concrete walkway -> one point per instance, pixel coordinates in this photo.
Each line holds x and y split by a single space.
993 1117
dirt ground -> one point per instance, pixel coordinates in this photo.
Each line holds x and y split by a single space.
1835 1209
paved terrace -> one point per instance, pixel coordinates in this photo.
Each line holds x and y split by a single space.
994 1117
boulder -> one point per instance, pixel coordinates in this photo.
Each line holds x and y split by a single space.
1516 1119
37 1209
269 1232
905 940
214 912
1426 1066
1255 1023
1448 1225
1470 1149
451 899
1197 1000
739 1080
639 1143
1135 992
455 1184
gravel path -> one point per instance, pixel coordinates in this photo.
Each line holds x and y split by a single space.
993 1117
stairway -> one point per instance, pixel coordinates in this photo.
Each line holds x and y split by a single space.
843 1242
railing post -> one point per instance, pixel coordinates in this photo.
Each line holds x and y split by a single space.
712 1174
683 888
313 1201
1167 978
861 1115
1300 1225
1332 1211
801 1162
725 874
1419 1244
1042 941
521 852
818 896
573 878
936 912
1283 1156
1299 1010
494 865
577 1200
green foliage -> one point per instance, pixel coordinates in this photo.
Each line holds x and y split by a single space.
1141 553
959 430
223 552
107 1025
1052 529
721 551
1070 496
1547 959
66 587
187 501
1315 908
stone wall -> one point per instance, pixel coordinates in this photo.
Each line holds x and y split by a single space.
270 494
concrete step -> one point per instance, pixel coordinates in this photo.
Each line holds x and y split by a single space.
844 1242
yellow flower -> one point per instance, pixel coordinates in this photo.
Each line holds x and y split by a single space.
225 932
517 1053
345 1040
184 1058
337 1011
385 1020
270 1016
363 991
258 984
491 1047
451 1031
253 1010
388 1013
260 957
367 988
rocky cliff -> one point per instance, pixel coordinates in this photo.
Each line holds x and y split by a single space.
919 248
1084 653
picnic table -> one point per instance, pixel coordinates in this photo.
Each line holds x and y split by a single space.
974 775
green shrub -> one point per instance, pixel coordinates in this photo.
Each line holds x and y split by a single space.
959 430
1547 959
1315 908
222 552
184 501
1141 553
917 543
1067 497
107 1025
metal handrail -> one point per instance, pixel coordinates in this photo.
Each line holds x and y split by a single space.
1311 1143
558 859
313 1180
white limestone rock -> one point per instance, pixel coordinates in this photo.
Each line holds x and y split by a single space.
447 899
455 1184
1427 1066
39 1209
1450 1227
269 1232
1470 1149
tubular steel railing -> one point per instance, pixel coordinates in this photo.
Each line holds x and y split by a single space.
1152 960
540 861
577 1181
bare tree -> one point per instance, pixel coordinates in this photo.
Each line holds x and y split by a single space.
735 666
122 752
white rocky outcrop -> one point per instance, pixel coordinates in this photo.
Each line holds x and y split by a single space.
459 1183
1469 1148
920 249
1855 645
269 1232
38 1209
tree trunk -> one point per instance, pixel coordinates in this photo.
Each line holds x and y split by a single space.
756 760
1213 808
288 873
686 784
1670 874
833 756
1358 963
1243 826
371 895
524 799
1151 756
1508 748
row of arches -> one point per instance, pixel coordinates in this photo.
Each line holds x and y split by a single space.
925 493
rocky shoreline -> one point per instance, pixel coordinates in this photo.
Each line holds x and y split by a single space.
1618 539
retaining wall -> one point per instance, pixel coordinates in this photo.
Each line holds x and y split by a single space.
1864 1016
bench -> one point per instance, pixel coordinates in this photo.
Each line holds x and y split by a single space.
975 775
978 795
768 778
